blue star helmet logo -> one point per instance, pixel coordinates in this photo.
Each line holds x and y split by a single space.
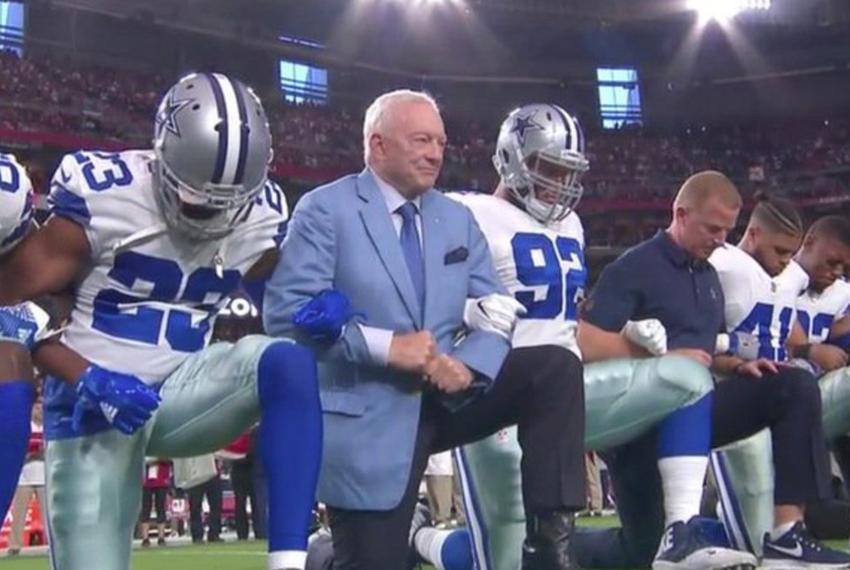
167 116
524 124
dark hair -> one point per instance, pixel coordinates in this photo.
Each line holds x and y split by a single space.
836 227
777 214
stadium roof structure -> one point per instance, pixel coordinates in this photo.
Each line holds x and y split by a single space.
531 38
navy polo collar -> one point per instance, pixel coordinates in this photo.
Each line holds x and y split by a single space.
675 253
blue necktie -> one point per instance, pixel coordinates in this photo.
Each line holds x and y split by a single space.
412 250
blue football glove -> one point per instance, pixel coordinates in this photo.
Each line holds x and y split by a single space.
323 317
25 323
125 401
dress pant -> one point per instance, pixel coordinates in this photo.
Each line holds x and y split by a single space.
242 479
212 490
541 390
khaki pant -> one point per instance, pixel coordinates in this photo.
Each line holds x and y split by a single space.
594 483
19 512
440 496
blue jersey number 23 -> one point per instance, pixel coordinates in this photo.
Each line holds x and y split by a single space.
539 263
161 280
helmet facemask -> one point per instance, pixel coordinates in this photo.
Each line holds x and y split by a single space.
548 184
203 214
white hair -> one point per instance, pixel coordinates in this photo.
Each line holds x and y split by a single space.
377 112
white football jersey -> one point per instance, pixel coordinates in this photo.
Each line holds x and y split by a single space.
817 311
16 202
542 266
756 303
149 297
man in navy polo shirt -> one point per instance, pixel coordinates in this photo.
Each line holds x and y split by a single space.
658 478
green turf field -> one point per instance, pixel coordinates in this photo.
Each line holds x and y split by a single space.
228 556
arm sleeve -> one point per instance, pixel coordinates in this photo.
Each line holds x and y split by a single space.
306 268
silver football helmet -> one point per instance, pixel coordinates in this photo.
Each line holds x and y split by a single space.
540 159
16 202
213 147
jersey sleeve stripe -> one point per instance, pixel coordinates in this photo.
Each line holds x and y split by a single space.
66 204
281 233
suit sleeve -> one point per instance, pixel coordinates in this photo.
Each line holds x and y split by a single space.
483 352
306 268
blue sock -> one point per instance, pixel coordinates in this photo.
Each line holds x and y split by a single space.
687 431
16 400
456 553
290 441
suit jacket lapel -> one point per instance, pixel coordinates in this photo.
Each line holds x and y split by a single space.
379 226
434 250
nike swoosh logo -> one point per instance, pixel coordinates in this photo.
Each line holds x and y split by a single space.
796 552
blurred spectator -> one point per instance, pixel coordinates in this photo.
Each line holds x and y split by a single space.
157 482
242 480
45 102
199 477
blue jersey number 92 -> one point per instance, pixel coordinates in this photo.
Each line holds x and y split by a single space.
540 263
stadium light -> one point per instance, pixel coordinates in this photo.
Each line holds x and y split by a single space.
725 10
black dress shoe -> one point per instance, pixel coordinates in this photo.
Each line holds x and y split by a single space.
548 543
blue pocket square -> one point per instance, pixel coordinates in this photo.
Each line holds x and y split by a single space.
456 256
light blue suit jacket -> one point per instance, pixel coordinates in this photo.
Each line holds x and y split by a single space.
341 236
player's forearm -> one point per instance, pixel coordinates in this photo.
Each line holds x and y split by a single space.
597 344
58 360
726 365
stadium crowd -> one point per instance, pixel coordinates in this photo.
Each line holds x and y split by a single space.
314 142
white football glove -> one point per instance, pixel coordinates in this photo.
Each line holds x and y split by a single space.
649 334
493 313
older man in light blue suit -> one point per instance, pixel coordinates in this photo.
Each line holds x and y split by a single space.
405 378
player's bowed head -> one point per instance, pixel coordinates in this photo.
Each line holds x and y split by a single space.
213 147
